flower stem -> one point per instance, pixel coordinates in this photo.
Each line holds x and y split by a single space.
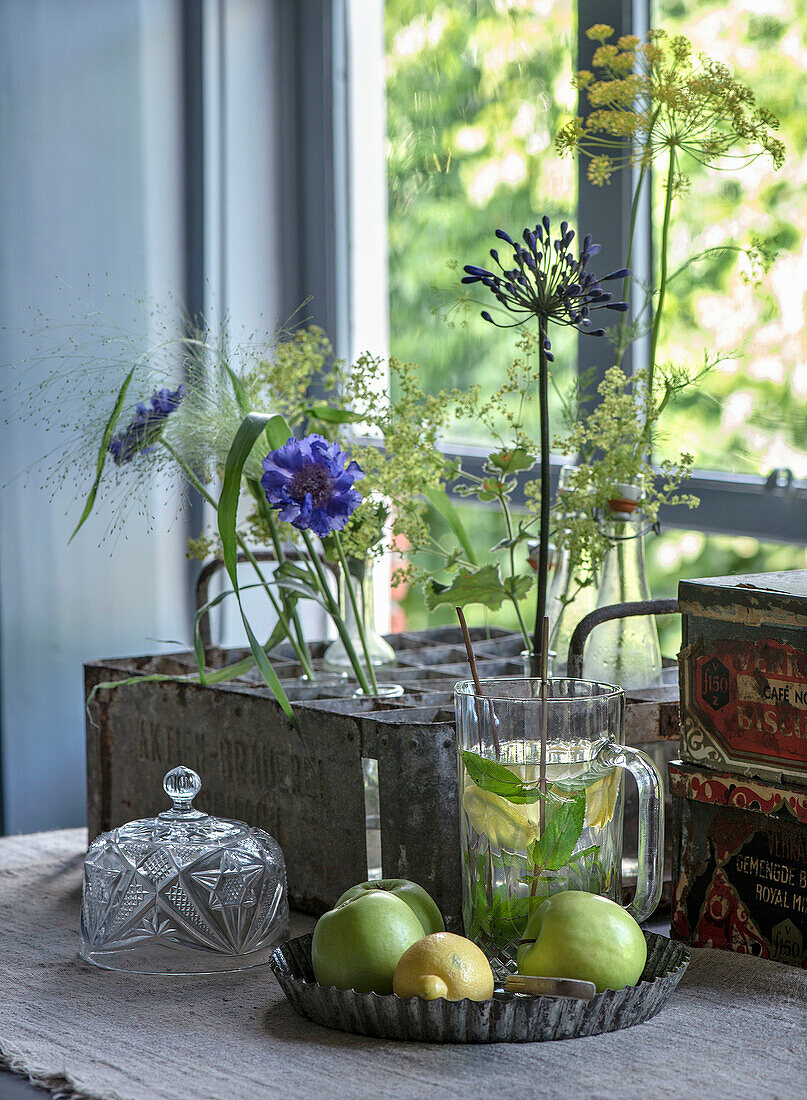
662 287
351 595
543 531
333 610
268 514
622 344
300 651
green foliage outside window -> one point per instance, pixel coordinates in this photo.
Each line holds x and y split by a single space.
477 90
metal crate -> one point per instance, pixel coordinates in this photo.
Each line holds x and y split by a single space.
308 790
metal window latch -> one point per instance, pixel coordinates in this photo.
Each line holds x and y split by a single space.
780 482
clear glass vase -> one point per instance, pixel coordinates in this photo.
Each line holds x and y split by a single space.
380 651
624 652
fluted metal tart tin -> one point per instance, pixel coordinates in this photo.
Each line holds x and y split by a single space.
505 1018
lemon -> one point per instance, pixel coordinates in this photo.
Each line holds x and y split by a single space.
443 965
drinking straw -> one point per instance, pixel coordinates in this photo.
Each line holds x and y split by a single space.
466 637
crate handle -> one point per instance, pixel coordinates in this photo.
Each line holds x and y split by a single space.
604 615
215 565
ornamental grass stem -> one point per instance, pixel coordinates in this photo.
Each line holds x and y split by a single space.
266 513
508 520
662 287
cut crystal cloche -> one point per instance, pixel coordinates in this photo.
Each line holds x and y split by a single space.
183 892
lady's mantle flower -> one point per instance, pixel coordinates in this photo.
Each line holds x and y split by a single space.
310 482
547 282
146 425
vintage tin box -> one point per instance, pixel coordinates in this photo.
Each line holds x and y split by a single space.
743 674
739 864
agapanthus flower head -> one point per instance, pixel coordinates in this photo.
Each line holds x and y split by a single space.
146 426
310 482
547 281
660 97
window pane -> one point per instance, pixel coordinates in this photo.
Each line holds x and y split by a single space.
681 555
748 415
476 90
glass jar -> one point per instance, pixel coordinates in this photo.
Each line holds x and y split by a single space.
569 602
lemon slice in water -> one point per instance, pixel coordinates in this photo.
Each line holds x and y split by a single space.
505 825
601 800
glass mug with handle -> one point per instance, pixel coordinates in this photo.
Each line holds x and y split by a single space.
521 840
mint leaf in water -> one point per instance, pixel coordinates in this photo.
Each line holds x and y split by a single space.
499 780
562 829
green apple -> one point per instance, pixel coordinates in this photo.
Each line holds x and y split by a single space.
584 936
358 944
421 903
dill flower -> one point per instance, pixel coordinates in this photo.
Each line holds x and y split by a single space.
660 97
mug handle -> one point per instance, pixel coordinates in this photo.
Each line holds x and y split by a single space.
650 877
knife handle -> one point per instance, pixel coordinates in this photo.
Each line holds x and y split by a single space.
550 987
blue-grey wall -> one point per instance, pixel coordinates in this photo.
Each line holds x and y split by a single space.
90 175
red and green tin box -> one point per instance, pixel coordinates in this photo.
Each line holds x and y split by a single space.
743 675
739 792
739 864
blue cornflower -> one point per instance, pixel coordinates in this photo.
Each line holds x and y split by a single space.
547 282
310 482
146 425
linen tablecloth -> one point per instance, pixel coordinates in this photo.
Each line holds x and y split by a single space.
736 1025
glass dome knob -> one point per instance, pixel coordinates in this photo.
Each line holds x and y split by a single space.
182 785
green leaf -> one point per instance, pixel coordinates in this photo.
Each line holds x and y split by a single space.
103 451
512 460
238 389
440 501
496 778
252 426
299 580
510 916
562 829
513 859
329 415
586 854
219 676
481 586
278 433
289 570
519 586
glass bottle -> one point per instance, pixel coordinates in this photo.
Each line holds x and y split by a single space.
624 652
569 602
381 652
569 599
